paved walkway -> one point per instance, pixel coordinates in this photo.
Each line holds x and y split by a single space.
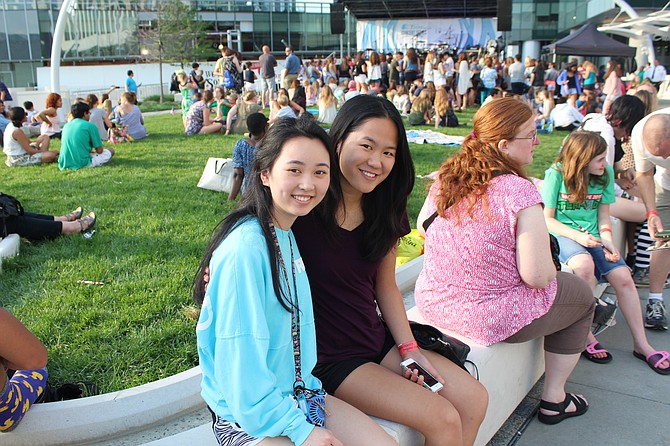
629 403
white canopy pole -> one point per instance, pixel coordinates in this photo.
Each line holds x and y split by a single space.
66 9
646 37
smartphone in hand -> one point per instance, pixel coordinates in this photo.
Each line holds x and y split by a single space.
429 381
663 235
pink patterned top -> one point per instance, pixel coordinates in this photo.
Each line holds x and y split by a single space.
470 283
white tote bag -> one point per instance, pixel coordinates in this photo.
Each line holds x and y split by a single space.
218 175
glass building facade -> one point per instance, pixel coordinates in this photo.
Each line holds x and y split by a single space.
548 20
102 31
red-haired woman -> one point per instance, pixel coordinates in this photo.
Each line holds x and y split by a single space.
49 116
485 274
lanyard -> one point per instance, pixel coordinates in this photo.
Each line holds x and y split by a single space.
295 307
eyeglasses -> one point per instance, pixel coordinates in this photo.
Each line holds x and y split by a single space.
532 138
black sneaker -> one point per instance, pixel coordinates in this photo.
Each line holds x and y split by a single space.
68 391
655 318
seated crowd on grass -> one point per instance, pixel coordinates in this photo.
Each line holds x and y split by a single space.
82 132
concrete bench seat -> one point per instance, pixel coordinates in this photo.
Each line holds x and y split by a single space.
202 435
507 371
9 247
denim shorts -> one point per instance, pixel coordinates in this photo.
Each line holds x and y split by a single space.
570 248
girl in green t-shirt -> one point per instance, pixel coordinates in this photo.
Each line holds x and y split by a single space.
577 192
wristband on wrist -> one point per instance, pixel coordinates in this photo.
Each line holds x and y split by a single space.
407 347
652 212
605 230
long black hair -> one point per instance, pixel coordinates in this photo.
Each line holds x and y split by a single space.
257 199
383 208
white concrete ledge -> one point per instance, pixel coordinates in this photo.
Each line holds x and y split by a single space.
110 415
9 247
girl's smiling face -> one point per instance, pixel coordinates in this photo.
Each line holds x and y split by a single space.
598 164
367 155
298 180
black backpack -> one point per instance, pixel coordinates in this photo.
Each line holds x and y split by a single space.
9 206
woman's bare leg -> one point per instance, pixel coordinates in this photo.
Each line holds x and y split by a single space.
353 427
451 416
629 302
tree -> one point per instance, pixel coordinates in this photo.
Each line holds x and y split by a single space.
176 35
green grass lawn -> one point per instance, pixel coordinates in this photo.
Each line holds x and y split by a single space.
153 225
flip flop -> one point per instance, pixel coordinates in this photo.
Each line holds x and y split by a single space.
592 350
581 407
654 360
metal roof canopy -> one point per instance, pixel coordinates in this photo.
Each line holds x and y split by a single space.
588 41
427 9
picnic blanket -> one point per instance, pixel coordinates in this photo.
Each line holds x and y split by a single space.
432 137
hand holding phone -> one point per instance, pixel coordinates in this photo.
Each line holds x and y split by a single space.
429 381
663 235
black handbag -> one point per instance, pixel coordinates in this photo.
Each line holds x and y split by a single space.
430 338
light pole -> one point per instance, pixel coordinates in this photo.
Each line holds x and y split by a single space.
67 8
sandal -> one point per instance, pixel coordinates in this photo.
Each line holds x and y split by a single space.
75 215
581 407
592 350
87 222
654 360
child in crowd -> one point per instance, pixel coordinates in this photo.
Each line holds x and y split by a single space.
185 88
577 192
249 77
275 106
444 112
285 110
244 153
420 112
340 90
257 318
327 106
310 92
223 104
401 100
30 113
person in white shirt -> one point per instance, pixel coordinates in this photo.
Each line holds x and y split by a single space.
651 149
656 74
565 116
285 111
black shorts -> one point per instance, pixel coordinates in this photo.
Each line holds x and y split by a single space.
410 76
333 374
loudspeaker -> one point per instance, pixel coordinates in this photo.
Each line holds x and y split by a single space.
504 15
337 25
